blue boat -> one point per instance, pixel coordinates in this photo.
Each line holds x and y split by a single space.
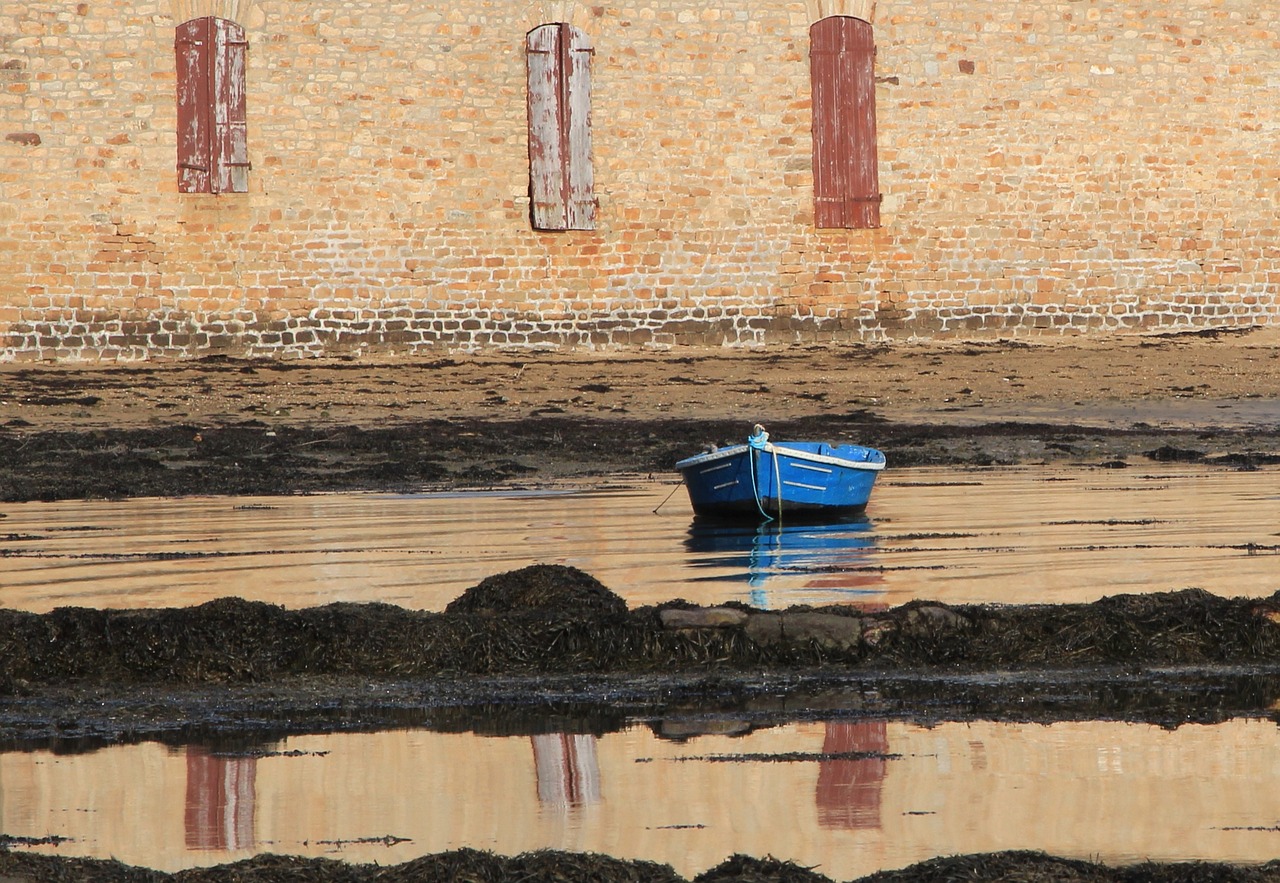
768 481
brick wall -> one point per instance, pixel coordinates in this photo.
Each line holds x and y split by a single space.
1048 166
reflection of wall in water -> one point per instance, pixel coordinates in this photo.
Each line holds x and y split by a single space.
220 801
848 791
1097 788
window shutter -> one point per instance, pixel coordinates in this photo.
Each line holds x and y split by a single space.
545 160
230 144
192 48
581 201
561 181
845 176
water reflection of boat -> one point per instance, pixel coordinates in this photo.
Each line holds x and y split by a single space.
834 556
762 480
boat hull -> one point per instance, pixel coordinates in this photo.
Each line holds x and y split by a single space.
796 480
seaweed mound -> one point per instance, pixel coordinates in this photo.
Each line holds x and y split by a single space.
748 869
542 588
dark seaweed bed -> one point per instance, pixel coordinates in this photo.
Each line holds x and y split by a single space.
471 866
557 619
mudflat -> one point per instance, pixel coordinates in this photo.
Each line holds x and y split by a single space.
218 425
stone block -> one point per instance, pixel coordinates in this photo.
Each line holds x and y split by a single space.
703 618
764 628
932 619
829 630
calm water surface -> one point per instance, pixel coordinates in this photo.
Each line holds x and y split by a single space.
1109 791
1007 535
1099 790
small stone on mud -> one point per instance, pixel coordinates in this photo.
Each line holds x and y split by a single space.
874 631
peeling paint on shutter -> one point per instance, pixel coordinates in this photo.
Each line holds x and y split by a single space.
561 181
231 154
580 179
213 153
545 162
862 207
845 177
192 45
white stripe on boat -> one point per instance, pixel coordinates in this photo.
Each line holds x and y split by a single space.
781 451
784 451
808 487
715 468
720 487
822 469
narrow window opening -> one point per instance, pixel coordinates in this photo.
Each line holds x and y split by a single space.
846 184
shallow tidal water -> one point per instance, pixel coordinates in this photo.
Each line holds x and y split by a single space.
860 796
1113 792
1024 535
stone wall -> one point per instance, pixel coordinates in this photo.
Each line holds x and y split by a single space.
1048 166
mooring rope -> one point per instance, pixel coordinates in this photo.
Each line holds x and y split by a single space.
777 481
759 441
755 488
669 496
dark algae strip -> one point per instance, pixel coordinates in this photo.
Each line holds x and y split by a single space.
471 866
549 619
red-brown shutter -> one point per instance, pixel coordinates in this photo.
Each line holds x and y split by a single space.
846 181
192 46
561 180
212 121
230 144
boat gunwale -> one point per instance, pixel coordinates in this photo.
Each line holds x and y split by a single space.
783 450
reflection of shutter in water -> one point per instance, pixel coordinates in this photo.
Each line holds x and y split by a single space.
567 768
846 183
848 791
561 180
220 801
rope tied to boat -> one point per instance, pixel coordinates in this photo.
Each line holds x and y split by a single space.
759 441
